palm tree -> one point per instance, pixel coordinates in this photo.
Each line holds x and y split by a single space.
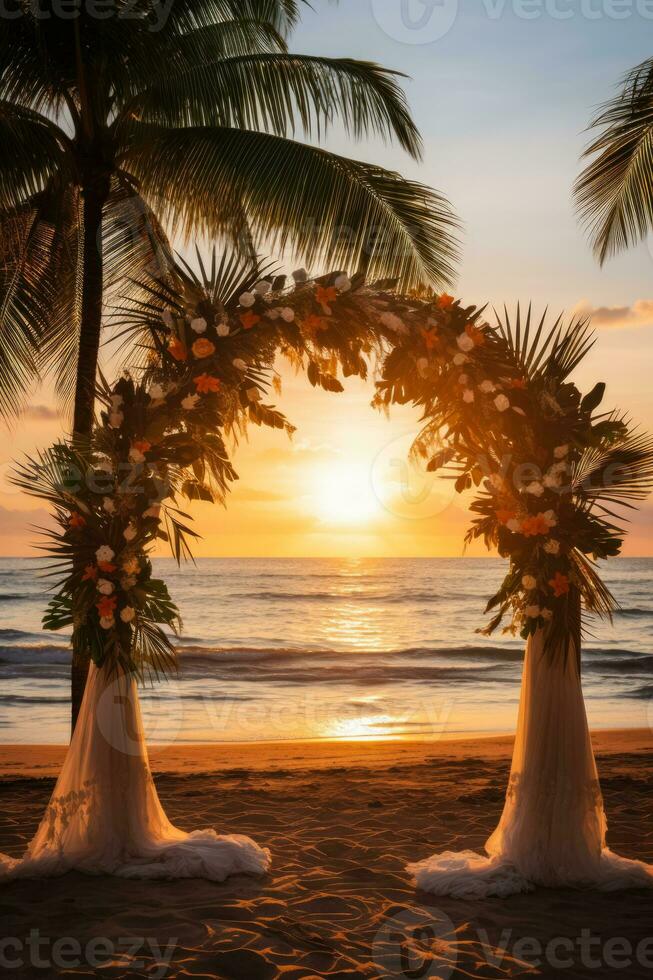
615 191
111 128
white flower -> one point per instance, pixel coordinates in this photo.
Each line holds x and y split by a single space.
550 517
393 322
239 364
287 314
559 468
105 553
116 402
253 394
535 488
468 395
496 481
486 387
109 505
263 287
532 612
189 402
463 379
157 393
552 547
300 275
561 451
529 582
423 366
130 532
513 524
168 318
104 586
153 511
546 614
274 313
106 622
552 480
116 419
127 614
222 329
460 359
501 403
136 456
247 299
342 283
199 324
465 342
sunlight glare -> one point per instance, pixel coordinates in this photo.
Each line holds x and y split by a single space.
343 493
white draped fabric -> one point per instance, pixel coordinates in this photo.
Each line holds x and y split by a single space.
105 816
553 827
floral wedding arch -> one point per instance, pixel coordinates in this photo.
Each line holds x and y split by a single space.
499 413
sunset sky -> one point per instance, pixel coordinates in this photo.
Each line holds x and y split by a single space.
502 102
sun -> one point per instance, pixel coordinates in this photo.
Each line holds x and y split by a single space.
342 493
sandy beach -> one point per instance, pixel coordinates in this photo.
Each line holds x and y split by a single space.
342 819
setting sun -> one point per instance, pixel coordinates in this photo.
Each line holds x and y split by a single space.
343 493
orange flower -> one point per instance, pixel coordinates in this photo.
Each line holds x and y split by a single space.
431 338
206 383
517 383
559 584
533 527
142 445
106 606
203 348
177 349
249 320
325 295
106 567
312 324
503 516
131 566
445 301
76 520
90 574
476 335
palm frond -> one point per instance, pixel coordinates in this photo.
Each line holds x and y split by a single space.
275 91
327 208
542 350
615 191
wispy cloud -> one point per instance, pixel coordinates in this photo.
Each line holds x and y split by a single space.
40 413
640 314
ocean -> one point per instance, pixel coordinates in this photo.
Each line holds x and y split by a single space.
278 649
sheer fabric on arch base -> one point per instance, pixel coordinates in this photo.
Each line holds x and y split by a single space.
105 816
553 828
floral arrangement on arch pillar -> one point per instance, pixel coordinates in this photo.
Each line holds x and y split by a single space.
497 406
548 469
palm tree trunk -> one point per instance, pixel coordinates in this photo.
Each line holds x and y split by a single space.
94 194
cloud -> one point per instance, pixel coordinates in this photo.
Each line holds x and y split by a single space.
40 413
640 314
251 495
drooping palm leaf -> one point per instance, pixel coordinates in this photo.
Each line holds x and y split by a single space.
615 191
331 209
